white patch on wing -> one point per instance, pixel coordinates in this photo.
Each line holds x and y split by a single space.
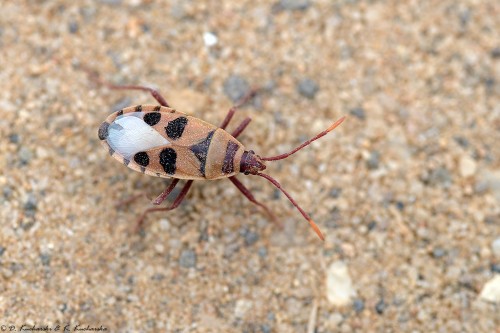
129 134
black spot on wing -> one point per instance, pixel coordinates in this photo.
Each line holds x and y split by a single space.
168 160
138 108
152 118
103 131
119 113
142 158
200 150
157 108
175 128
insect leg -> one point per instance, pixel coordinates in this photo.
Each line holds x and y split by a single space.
174 205
152 91
241 127
94 76
246 192
165 193
232 110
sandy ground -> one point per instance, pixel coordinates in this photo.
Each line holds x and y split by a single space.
407 189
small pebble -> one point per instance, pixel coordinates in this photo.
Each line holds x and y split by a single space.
339 288
439 176
45 259
358 305
294 4
335 192
250 237
307 88
236 87
467 166
7 191
463 142
400 205
187 258
14 138
2 250
492 219
480 187
495 268
491 290
358 113
496 247
25 155
495 53
264 328
73 27
380 306
209 39
373 160
30 206
371 225
438 252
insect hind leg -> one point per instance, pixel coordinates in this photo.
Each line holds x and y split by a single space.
94 76
175 204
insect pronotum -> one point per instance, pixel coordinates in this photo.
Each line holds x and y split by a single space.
159 141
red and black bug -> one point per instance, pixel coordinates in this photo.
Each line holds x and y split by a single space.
159 141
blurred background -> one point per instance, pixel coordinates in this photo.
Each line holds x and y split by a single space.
407 189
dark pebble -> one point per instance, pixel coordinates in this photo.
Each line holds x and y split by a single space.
358 305
439 176
293 4
307 88
30 206
45 259
25 155
73 27
187 258
438 252
495 268
63 307
14 138
463 142
400 205
373 160
380 306
264 328
372 225
492 219
2 250
358 113
262 252
7 191
335 192
236 87
251 238
495 53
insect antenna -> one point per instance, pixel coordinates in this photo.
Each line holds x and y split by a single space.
306 216
308 142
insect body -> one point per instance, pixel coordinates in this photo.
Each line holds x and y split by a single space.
162 142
